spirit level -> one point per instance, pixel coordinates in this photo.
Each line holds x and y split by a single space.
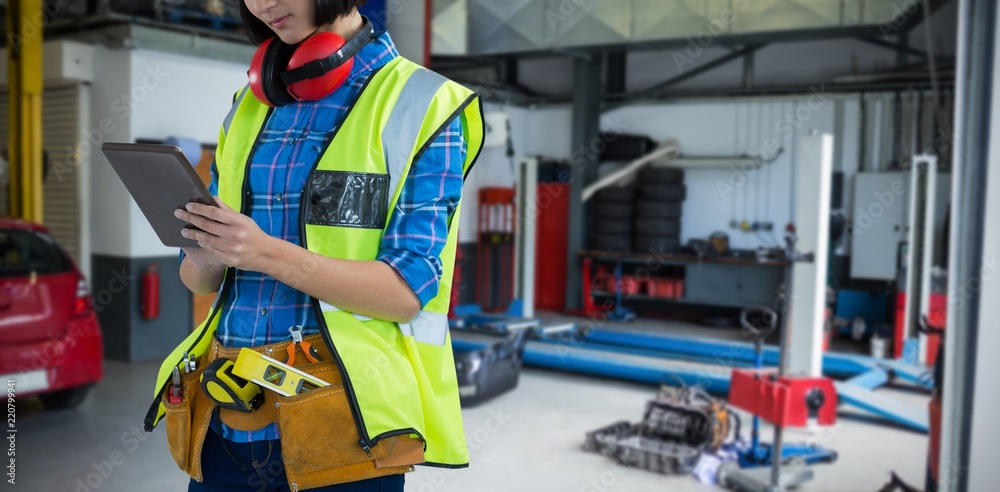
276 376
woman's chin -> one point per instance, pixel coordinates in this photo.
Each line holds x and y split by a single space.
292 37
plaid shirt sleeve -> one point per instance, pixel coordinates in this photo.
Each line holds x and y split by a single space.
418 228
213 187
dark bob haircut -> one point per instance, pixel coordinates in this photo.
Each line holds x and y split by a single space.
327 11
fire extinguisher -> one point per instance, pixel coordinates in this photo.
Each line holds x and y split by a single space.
151 292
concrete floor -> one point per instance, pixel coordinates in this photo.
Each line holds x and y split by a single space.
526 440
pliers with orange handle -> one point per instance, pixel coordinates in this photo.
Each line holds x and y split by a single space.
311 354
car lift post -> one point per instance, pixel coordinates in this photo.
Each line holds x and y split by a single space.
760 393
920 255
25 23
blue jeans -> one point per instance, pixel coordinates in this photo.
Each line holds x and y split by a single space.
258 467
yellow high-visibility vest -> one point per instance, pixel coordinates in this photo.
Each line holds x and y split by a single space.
399 377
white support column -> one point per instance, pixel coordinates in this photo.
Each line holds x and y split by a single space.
804 341
984 474
985 426
969 443
927 262
525 234
984 446
920 250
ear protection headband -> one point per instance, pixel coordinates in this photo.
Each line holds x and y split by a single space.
281 74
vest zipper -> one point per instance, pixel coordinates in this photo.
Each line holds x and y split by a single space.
365 442
352 399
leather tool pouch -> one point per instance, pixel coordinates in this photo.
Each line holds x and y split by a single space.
319 440
187 423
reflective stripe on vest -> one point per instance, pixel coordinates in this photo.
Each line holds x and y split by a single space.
228 122
326 307
427 327
400 132
403 129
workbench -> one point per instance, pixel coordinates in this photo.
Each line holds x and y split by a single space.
733 281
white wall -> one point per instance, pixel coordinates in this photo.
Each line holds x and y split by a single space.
111 217
190 97
175 96
703 128
706 128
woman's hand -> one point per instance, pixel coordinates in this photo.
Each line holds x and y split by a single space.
227 235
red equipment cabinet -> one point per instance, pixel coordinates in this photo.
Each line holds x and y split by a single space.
552 239
787 401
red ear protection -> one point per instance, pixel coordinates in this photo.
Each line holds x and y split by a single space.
281 74
265 78
318 46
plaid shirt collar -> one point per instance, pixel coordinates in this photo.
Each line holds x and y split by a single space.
373 57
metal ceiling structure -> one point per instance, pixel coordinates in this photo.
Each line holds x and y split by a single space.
498 34
535 27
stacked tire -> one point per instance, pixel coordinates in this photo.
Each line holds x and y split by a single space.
658 210
612 219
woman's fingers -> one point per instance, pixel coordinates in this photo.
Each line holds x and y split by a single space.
222 215
208 242
203 238
207 225
226 233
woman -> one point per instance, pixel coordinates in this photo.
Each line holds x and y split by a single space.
334 220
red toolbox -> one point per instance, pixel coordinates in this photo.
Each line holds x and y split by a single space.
665 288
630 286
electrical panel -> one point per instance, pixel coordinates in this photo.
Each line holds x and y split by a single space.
878 224
497 129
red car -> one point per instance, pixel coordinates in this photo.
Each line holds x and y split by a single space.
50 341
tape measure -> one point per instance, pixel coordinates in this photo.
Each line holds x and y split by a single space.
229 390
276 376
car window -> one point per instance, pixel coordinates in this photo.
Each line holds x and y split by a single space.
22 252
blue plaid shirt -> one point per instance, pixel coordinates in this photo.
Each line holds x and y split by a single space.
259 310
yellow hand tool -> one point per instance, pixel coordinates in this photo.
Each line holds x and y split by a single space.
229 390
276 376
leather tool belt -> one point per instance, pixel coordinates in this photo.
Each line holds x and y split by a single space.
319 438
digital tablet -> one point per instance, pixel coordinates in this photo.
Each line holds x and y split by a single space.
160 180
